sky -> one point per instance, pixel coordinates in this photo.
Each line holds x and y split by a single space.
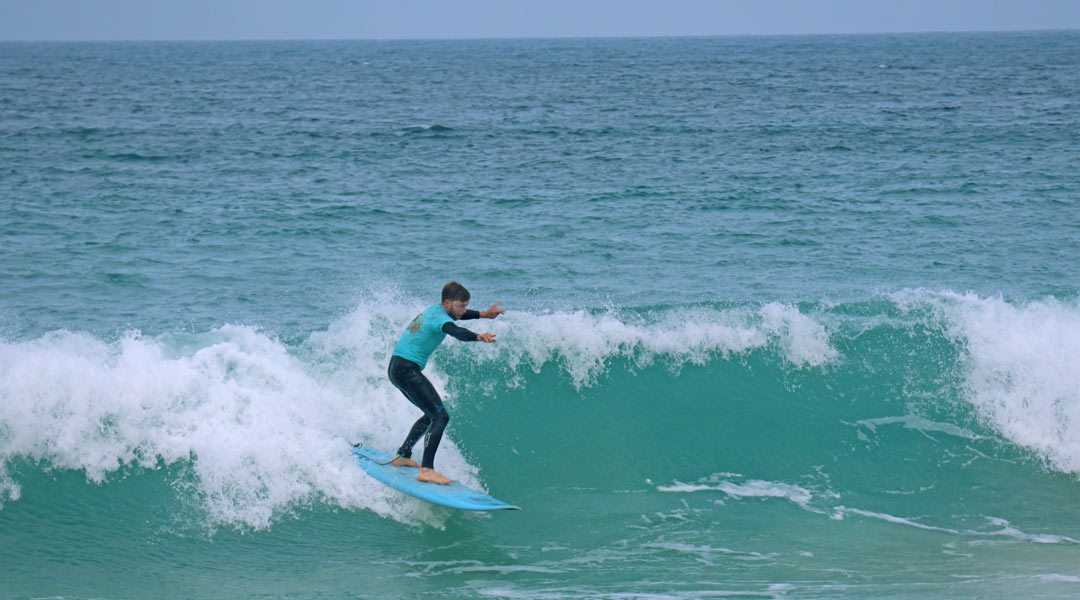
454 19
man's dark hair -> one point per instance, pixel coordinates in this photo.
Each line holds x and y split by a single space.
455 292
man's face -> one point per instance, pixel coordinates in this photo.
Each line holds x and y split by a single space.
455 308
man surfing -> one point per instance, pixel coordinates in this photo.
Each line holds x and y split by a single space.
411 353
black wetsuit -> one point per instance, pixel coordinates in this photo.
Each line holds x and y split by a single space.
408 377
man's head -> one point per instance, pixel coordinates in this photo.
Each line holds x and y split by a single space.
455 298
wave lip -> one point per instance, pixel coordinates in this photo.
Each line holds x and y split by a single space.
584 343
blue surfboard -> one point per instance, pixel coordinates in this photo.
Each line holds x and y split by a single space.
403 479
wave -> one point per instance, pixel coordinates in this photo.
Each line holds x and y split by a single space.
260 427
1020 364
434 130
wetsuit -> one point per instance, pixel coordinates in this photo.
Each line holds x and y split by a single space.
419 340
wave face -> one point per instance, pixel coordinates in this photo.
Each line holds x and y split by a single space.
262 425
938 417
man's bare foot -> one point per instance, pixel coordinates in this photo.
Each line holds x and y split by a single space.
433 476
401 461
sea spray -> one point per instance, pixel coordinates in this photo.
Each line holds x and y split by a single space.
1021 366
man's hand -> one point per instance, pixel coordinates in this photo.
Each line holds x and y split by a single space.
492 312
486 337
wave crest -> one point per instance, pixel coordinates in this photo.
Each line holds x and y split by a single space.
583 343
1021 366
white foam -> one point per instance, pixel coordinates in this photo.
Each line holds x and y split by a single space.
583 343
1007 530
753 488
1059 578
1021 366
578 592
704 550
840 512
264 427
261 429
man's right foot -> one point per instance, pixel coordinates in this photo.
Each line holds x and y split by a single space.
433 476
401 461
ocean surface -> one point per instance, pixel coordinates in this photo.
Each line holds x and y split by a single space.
787 317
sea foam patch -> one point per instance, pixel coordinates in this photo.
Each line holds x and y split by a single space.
752 488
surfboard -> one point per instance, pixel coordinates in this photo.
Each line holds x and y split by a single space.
403 479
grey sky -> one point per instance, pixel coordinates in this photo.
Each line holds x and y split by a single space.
393 19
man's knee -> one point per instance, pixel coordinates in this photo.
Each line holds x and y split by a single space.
441 418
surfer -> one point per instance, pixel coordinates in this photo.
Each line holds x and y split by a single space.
411 353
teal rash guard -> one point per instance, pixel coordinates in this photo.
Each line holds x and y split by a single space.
428 330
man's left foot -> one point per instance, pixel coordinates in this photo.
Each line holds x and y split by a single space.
433 476
401 461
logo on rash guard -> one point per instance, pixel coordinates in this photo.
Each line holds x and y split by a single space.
416 324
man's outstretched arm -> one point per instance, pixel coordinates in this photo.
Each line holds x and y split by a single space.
459 332
490 313
465 335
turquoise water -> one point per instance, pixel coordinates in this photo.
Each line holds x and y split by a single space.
788 317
